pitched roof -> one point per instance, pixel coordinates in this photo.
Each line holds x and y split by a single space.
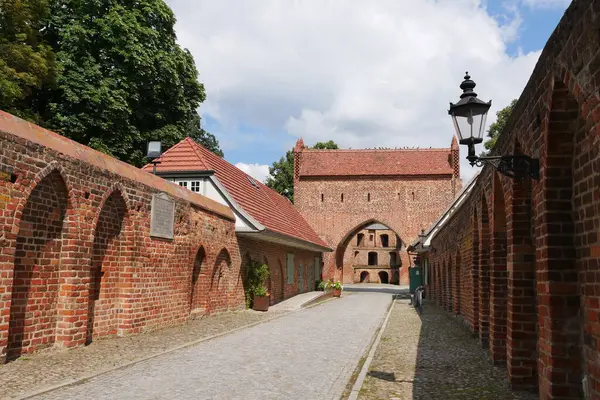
266 206
369 162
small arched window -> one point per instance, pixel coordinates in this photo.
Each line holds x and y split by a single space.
413 196
342 197
368 196
322 197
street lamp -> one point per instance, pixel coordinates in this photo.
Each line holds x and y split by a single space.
469 116
154 151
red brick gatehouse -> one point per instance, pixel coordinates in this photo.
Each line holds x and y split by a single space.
340 192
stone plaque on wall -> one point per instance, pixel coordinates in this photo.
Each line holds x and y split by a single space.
162 220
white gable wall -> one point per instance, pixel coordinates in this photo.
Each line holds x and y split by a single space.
204 186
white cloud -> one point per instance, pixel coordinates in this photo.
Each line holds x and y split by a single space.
547 3
257 171
365 74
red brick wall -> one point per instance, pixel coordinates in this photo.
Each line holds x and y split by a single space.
530 250
274 255
405 205
76 258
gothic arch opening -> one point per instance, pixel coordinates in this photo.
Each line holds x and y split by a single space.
484 275
109 259
199 285
383 277
220 282
475 271
364 277
383 252
36 267
457 285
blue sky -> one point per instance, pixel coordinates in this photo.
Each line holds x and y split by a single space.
377 74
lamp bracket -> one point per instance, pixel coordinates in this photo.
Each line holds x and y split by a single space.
517 166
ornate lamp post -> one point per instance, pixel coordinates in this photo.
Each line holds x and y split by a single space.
469 116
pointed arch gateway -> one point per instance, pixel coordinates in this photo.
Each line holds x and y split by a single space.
199 284
349 259
41 230
108 276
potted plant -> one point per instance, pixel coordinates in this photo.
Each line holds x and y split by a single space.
261 299
336 287
257 295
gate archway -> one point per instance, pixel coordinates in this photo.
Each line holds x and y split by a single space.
364 277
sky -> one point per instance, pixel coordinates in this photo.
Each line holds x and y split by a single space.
365 74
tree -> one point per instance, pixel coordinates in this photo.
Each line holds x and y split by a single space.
26 61
281 174
122 78
497 127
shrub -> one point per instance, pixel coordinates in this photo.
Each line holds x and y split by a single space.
257 276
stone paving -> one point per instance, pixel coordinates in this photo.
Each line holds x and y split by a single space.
309 354
37 371
432 357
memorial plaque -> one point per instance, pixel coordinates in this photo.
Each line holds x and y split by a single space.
162 220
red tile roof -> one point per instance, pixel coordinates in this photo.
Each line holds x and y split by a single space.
265 205
375 162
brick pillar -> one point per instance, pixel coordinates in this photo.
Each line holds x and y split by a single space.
456 283
559 314
475 275
8 237
484 277
73 283
522 309
498 277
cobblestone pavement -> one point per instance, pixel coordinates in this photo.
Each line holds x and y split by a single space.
37 371
432 357
309 354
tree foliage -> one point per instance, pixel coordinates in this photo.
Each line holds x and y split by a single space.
497 127
121 78
281 174
26 61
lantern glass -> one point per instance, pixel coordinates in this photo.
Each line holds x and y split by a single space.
469 120
154 149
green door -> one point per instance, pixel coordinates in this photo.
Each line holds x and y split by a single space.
300 279
415 276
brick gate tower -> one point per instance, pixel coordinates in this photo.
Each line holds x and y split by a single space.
353 198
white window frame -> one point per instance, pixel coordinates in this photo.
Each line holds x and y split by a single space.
198 185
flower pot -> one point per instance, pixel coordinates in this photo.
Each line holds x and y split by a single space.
337 292
261 303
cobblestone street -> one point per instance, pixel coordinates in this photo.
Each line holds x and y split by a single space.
38 371
432 357
309 354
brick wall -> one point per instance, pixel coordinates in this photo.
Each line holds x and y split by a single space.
528 251
405 205
76 258
274 255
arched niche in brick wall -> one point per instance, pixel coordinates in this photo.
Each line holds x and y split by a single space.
199 282
108 275
220 282
41 230
362 247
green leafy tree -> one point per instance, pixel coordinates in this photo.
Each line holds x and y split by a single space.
497 127
281 174
122 77
26 61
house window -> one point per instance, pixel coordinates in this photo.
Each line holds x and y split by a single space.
195 186
183 183
360 239
290 268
